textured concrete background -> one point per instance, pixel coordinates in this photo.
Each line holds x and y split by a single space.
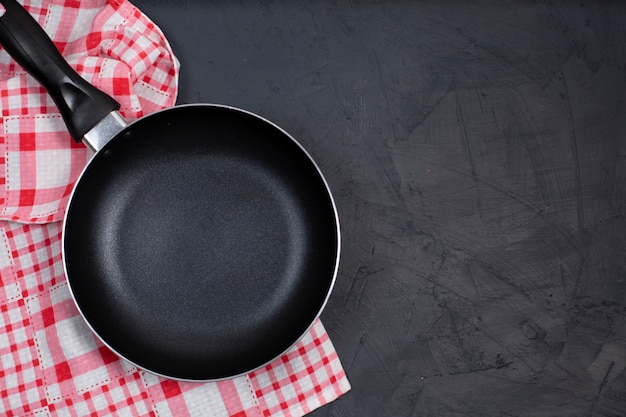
477 156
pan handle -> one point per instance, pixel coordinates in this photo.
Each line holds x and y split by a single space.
82 105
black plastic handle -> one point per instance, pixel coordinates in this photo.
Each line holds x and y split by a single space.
81 104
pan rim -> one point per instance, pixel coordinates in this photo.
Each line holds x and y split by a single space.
337 231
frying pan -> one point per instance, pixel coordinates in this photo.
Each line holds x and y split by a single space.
200 242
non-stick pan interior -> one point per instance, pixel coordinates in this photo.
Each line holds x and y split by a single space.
201 242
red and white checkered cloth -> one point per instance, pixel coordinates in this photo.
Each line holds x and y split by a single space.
50 362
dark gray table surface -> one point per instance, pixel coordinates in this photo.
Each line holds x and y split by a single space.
477 155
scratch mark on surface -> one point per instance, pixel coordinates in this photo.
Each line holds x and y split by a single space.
475 284
361 115
311 71
468 151
431 279
606 378
565 370
576 157
494 273
395 183
354 280
578 276
501 344
561 230
467 358
563 278
431 110
600 389
362 340
480 102
434 324
529 133
359 276
409 319
548 387
383 87
577 180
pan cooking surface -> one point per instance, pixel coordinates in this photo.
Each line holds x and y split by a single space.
201 243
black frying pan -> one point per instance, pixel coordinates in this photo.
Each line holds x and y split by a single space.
201 242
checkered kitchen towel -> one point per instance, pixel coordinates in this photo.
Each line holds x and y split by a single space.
50 362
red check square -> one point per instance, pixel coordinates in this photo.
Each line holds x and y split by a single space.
62 371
